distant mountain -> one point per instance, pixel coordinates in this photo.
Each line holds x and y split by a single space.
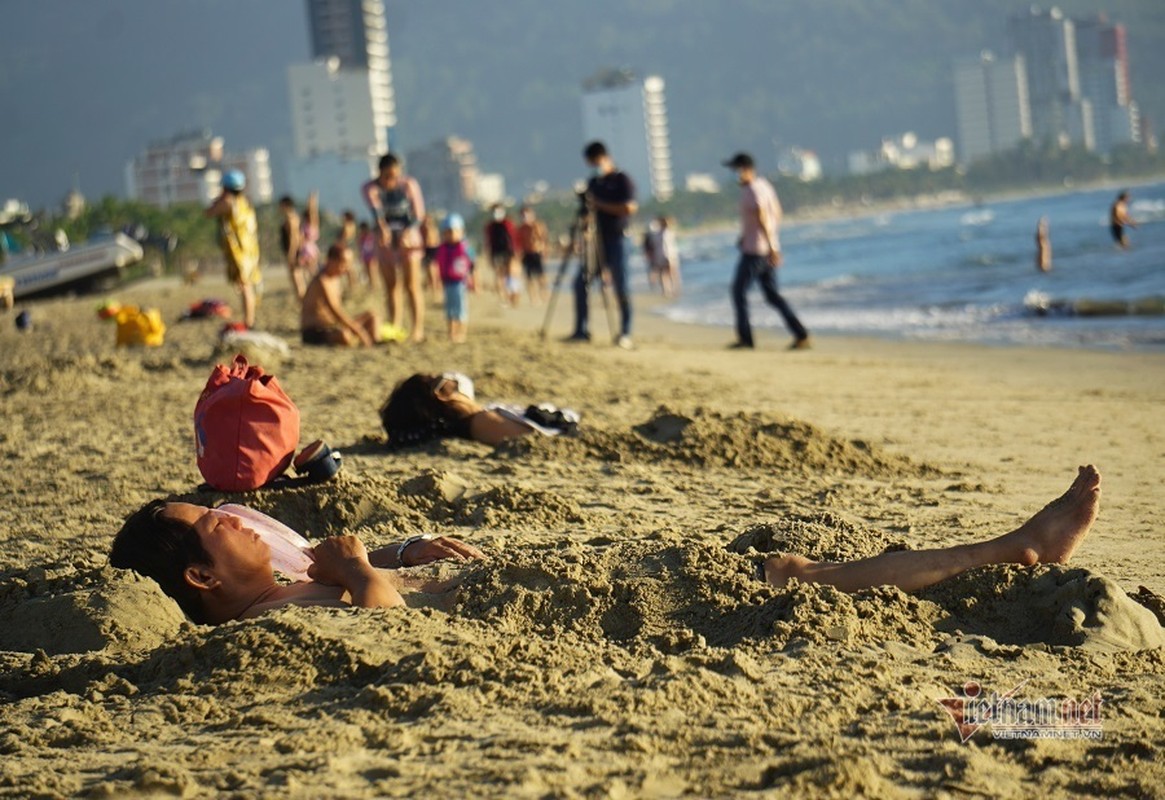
830 75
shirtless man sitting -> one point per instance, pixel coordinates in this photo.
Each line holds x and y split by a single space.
323 320
217 569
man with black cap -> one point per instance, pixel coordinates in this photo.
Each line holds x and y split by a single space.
760 252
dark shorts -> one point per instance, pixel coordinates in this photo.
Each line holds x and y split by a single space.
532 265
320 336
1118 232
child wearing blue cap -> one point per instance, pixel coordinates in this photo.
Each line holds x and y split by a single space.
455 263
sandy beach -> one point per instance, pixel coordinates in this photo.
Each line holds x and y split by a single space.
616 642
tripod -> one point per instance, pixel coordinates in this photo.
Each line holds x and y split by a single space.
583 244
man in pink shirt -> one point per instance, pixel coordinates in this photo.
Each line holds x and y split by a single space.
760 252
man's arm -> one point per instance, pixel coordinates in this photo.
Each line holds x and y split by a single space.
768 224
332 300
343 561
219 208
423 551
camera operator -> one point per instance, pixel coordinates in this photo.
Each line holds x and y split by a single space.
610 196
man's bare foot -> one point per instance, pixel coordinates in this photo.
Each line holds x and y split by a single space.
779 570
1054 533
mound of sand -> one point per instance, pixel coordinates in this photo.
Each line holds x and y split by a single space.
1047 604
112 609
709 438
824 536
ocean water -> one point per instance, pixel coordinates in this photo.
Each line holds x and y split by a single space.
956 274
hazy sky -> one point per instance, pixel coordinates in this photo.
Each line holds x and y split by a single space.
85 84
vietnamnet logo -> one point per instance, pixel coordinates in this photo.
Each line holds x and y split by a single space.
1009 716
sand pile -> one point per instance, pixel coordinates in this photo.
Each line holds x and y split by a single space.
706 438
70 611
617 642
1047 604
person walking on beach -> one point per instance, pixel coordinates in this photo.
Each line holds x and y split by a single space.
667 257
501 244
760 252
611 198
309 236
431 234
532 243
289 235
398 207
1043 246
239 237
1119 220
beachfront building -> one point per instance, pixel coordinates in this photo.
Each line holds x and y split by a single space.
629 115
342 105
992 110
701 183
490 188
1059 111
1103 57
188 168
904 151
447 171
799 164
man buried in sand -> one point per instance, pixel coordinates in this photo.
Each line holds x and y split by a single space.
218 569
322 316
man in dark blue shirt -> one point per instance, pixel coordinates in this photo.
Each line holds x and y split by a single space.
611 197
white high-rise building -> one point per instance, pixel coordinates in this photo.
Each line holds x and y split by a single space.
331 112
991 105
629 116
342 105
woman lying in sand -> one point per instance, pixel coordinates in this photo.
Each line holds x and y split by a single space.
217 569
426 407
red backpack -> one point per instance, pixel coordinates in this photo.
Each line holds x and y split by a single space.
246 428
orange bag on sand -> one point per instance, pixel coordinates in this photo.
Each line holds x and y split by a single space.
246 428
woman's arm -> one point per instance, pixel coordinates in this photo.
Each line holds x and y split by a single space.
490 427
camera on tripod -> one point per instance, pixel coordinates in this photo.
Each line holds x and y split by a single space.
584 203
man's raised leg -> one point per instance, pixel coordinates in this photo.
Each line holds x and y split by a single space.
1050 537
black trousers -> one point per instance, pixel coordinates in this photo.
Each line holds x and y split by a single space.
752 268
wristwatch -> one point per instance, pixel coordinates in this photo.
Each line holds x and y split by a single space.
400 551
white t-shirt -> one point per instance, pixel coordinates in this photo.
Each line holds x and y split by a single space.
757 195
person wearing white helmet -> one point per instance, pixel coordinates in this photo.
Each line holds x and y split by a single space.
239 237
